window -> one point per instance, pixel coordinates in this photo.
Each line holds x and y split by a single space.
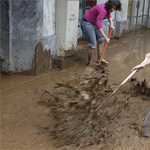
85 5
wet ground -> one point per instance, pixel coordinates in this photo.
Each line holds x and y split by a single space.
23 119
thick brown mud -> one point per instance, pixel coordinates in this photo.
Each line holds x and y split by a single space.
58 110
77 119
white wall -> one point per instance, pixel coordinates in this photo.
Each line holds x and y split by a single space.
60 26
48 17
121 16
72 24
67 15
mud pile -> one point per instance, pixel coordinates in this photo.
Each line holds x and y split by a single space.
73 105
140 88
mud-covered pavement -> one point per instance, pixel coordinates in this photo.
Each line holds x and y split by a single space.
28 111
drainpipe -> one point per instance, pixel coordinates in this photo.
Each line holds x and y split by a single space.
148 15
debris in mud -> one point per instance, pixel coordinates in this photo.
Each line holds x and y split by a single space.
140 88
72 103
74 114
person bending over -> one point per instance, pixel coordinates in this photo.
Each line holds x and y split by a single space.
91 26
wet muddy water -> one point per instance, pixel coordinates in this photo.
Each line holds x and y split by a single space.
22 116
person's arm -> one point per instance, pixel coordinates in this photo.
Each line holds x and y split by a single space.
111 23
140 66
102 32
104 35
147 55
98 24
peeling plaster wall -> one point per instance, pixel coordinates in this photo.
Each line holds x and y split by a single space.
28 36
23 35
49 35
46 33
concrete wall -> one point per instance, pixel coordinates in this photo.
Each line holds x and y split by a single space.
121 19
67 14
61 17
31 39
23 36
49 23
72 24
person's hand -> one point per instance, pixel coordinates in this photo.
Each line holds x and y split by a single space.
107 40
145 63
147 56
138 67
112 27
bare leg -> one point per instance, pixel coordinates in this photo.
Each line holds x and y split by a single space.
100 48
100 51
90 55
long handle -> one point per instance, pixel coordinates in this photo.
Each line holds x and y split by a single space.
132 73
146 118
119 87
105 48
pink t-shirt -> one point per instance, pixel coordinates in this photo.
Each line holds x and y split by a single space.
97 14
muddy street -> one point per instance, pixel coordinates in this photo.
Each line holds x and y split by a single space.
37 115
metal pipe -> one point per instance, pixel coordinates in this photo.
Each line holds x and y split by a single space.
84 6
143 12
130 14
135 16
137 13
148 12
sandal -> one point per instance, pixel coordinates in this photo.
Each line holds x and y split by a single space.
104 61
93 64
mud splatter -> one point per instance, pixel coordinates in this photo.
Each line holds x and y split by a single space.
72 103
141 88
